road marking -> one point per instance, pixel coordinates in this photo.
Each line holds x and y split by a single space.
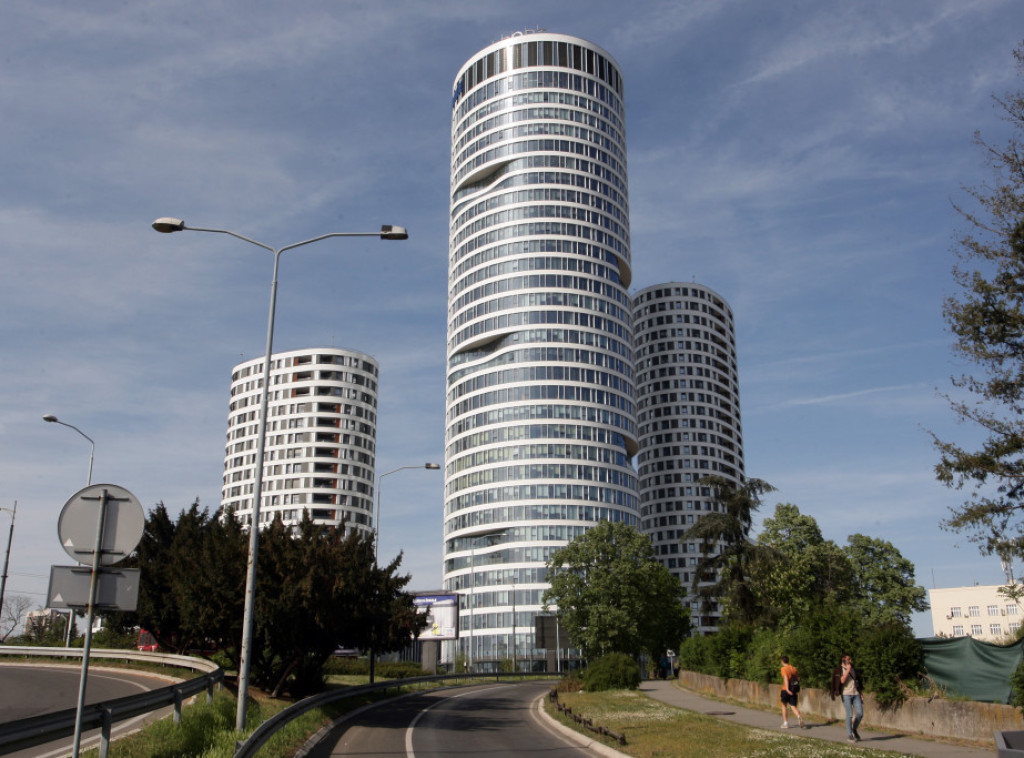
409 752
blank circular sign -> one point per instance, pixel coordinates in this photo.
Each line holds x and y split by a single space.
79 524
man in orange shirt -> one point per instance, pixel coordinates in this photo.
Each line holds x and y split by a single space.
790 688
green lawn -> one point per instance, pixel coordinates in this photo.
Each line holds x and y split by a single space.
654 729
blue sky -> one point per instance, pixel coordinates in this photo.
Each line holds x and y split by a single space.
800 158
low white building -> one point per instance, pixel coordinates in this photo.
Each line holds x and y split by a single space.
981 612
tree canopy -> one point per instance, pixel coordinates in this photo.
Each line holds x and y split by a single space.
317 589
726 550
884 589
613 596
987 322
797 570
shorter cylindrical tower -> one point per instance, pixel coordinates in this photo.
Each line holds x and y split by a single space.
321 438
688 418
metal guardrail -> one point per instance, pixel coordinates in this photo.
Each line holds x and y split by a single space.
36 730
266 730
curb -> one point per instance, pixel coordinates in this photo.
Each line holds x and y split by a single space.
580 739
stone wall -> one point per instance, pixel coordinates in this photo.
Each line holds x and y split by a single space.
955 719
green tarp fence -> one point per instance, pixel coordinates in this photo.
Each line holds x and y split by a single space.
969 668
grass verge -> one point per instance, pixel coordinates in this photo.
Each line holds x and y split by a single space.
656 730
208 730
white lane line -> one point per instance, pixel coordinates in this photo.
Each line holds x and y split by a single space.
409 752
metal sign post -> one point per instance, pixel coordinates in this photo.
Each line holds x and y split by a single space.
119 523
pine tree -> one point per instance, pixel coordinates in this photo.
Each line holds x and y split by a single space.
987 321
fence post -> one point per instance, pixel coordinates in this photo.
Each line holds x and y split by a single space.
105 732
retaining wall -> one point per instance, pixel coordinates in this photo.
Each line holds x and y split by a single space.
954 719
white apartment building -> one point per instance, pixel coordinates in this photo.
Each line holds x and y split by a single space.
540 419
688 417
981 612
320 443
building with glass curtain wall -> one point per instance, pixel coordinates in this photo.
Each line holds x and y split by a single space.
321 438
688 416
540 421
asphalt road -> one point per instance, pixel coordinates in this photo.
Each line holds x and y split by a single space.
496 720
34 689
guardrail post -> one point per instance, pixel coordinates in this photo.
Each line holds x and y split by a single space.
177 707
209 692
105 732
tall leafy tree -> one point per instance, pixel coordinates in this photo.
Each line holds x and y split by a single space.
726 550
883 586
798 571
987 322
613 596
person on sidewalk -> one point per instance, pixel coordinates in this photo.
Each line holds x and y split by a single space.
790 689
846 683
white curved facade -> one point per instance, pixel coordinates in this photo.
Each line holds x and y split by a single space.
540 418
688 416
321 438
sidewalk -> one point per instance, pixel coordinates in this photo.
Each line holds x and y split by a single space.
669 692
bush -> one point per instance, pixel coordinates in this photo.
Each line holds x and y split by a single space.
569 683
615 671
695 655
763 655
1017 687
889 655
819 643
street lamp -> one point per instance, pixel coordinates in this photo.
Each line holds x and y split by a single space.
166 226
376 539
50 418
380 481
54 420
7 555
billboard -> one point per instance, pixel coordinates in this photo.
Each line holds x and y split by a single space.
442 613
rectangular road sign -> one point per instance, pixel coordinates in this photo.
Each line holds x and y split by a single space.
117 589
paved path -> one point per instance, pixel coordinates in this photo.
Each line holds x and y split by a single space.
671 693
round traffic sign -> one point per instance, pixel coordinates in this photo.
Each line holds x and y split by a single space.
122 519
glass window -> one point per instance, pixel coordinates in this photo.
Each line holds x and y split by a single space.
955 612
958 631
974 611
1011 609
995 629
993 610
976 629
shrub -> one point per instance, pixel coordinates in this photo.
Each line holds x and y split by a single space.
1017 687
818 644
569 683
889 654
615 671
762 661
695 655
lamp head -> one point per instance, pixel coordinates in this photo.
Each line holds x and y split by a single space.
387 232
50 417
166 225
432 466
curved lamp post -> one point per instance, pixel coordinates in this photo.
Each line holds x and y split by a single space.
54 420
50 418
380 480
376 535
167 226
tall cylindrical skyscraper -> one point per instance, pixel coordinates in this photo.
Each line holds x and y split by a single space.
688 415
540 421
